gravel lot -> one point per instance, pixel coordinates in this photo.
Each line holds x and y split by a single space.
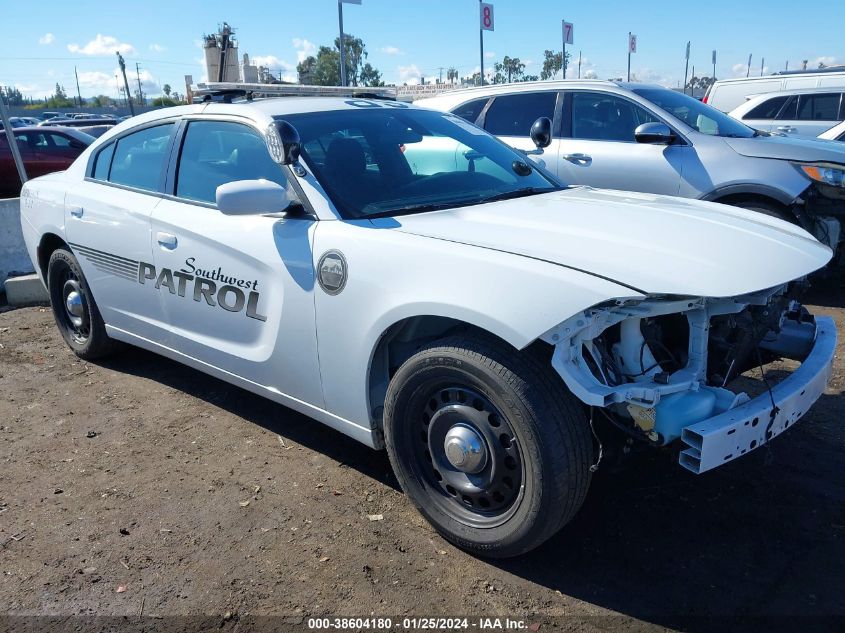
139 486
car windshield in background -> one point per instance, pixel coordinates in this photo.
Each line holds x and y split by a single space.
383 161
697 115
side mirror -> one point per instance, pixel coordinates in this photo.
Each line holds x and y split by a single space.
291 143
252 197
541 132
655 133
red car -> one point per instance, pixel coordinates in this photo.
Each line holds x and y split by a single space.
43 150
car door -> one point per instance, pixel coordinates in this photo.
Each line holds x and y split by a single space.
511 116
237 290
598 147
809 114
107 218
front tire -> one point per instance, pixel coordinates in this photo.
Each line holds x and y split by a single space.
75 310
488 444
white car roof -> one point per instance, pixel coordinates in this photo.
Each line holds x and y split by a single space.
753 100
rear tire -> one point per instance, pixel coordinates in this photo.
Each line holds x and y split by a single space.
523 439
75 310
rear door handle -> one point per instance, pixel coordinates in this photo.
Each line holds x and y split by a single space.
76 211
167 240
586 159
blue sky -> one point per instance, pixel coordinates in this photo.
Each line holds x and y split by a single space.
407 39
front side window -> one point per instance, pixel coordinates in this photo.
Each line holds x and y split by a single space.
513 115
605 117
767 110
383 161
819 107
139 157
216 152
699 116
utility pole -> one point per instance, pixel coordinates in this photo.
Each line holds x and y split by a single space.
78 95
125 81
563 51
441 74
579 64
686 68
748 68
787 65
481 43
762 66
714 66
629 56
10 137
140 93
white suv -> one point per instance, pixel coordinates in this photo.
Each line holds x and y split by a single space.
407 279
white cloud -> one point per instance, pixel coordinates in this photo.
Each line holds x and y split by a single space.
304 48
649 76
589 74
157 48
409 74
272 62
391 50
489 55
96 82
102 45
47 38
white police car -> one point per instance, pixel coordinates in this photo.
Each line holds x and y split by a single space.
406 278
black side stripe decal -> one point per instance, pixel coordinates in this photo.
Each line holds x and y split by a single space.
109 263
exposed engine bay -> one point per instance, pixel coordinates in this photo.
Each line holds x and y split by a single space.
662 365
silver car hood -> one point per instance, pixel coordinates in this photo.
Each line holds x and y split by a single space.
789 148
654 244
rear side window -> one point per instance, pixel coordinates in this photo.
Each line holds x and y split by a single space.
767 110
513 115
139 157
471 109
216 152
819 107
101 167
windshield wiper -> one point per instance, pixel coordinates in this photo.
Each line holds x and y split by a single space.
517 193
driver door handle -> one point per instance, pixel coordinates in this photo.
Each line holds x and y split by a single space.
76 211
584 159
167 240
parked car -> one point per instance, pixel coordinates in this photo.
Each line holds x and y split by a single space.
14 121
727 94
79 123
836 133
805 113
638 137
30 120
449 301
45 116
43 151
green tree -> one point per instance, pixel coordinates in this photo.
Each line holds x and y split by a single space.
452 74
324 68
166 89
59 99
552 64
102 101
163 102
12 95
508 70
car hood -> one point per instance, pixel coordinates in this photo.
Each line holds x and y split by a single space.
788 148
652 244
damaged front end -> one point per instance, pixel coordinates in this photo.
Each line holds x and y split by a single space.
661 368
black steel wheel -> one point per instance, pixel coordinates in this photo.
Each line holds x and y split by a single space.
487 443
74 308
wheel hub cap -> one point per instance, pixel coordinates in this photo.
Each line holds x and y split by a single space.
465 449
74 305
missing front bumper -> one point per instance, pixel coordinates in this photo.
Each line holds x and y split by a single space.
734 433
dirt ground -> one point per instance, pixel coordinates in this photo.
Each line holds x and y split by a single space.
138 487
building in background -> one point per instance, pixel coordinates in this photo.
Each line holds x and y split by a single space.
221 51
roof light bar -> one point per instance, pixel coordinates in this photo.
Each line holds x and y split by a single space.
228 90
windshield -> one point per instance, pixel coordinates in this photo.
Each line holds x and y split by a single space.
699 116
391 159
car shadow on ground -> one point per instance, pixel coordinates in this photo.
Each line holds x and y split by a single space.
762 537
